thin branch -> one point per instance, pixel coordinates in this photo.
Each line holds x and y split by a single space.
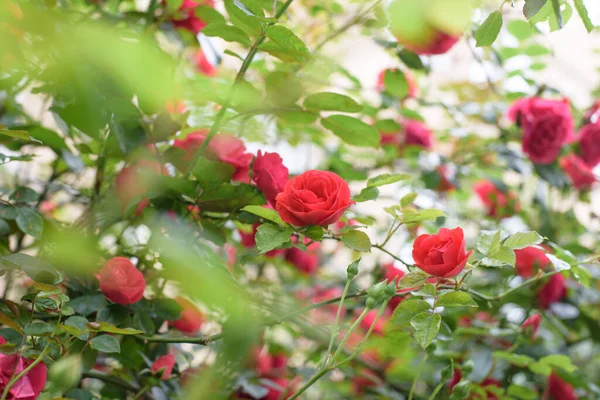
101 376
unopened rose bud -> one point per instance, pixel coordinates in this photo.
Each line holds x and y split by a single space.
66 372
531 325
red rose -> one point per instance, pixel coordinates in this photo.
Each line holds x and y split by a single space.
438 43
121 282
414 133
379 327
530 259
391 273
29 386
580 174
314 198
204 66
498 203
442 255
531 325
363 382
190 21
164 363
132 183
410 80
457 376
270 175
553 291
327 313
445 184
306 262
546 125
593 114
191 318
589 144
222 147
559 389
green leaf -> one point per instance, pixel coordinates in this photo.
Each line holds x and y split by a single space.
386 179
23 135
24 194
395 83
582 275
407 310
523 239
266 213
488 241
537 50
130 134
410 59
357 240
522 392
228 198
520 29
501 256
288 42
106 327
487 32
557 13
38 328
428 214
583 14
426 327
519 360
532 7
212 173
413 280
352 130
368 193
540 368
408 199
105 344
269 237
283 88
327 101
79 327
243 17
559 361
30 221
226 32
8 211
88 303
39 270
559 265
455 299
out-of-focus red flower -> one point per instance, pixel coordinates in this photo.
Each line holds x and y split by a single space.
391 273
580 173
497 203
589 143
529 260
531 325
437 43
361 383
175 107
190 21
327 313
270 175
445 184
369 319
457 376
164 363
559 389
249 241
191 319
121 282
553 291
203 65
132 183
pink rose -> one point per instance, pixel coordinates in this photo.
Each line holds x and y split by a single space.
165 364
589 144
580 174
121 282
270 175
29 386
546 126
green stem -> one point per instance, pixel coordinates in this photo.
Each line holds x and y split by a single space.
414 384
345 339
310 382
335 328
380 247
14 380
437 390
203 340
142 391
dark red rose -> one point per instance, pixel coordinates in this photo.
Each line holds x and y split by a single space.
589 144
546 126
368 321
391 273
529 260
326 314
553 291
580 173
165 364
133 181
270 175
190 320
191 21
559 389
121 282
531 325
314 198
223 147
203 65
457 376
306 262
438 43
498 203
445 184
442 255
592 115
410 79
29 386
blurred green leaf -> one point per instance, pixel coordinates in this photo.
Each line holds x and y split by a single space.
352 130
327 101
532 7
395 83
212 173
30 221
39 270
522 392
520 29
583 14
23 135
368 193
227 32
487 32
386 179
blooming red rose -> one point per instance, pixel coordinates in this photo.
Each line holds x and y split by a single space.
559 389
546 126
164 363
553 291
580 173
410 80
529 260
203 65
438 43
307 262
270 175
132 183
191 319
442 255
498 203
223 147
445 184
121 282
531 325
314 198
191 21
30 385
589 144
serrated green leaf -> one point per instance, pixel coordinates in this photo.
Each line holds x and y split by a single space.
413 280
386 179
368 193
288 42
455 299
426 327
519 360
327 101
488 31
408 199
269 237
407 310
583 14
38 328
352 130
357 240
523 239
105 344
499 257
23 135
488 241
266 213
226 32
212 173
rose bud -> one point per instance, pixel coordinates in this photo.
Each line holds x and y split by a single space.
410 80
531 325
191 21
121 282
559 389
270 175
546 126
529 260
497 203
30 385
314 198
553 291
191 319
203 65
223 147
442 255
589 144
132 183
165 364
580 174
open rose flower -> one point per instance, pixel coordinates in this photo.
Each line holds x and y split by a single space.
29 386
559 389
314 198
121 282
529 260
442 255
589 144
270 175
191 319
580 173
546 124
553 291
165 364
498 203
531 325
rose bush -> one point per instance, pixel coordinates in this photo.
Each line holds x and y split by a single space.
209 200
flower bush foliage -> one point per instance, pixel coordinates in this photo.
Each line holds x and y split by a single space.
156 243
